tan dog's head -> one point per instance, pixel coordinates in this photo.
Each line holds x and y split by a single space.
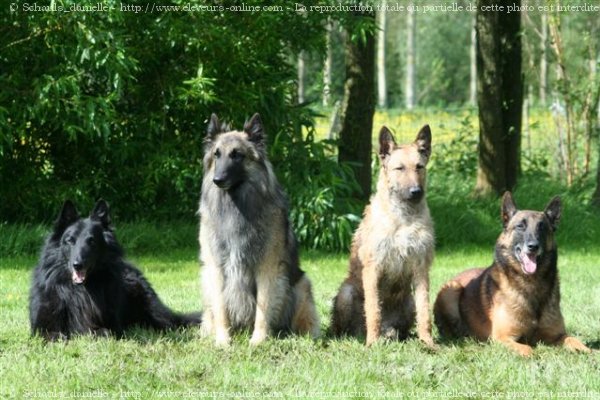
527 241
403 168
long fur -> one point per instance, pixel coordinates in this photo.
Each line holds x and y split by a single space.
246 240
114 296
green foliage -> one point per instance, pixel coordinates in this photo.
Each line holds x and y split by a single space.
459 155
113 104
323 211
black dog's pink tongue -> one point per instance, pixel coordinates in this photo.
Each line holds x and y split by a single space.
78 277
529 263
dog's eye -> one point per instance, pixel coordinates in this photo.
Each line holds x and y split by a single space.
236 155
400 168
420 166
521 225
70 240
217 153
90 241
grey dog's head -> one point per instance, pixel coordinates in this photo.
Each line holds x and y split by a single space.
229 155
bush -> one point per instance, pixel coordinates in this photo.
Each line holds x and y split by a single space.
323 210
114 104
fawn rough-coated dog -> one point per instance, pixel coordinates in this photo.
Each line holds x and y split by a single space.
392 250
515 301
251 278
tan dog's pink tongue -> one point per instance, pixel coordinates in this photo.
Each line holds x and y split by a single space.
529 263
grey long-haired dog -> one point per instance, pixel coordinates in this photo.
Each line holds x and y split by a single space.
251 278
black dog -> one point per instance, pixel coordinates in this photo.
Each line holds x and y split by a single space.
82 283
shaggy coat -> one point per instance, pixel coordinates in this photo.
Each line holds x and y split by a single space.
251 278
392 250
82 283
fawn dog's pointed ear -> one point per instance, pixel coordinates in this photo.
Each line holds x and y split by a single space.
423 141
553 211
386 142
509 208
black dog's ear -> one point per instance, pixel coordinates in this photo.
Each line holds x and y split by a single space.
552 211
101 213
509 208
255 130
386 142
68 215
423 141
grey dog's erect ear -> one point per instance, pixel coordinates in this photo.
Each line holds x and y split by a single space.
254 129
214 127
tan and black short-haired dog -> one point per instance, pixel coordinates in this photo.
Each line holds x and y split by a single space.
392 250
516 301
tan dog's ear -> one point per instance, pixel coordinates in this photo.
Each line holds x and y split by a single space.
386 142
423 141
509 208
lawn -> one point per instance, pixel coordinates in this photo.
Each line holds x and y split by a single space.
181 365
147 365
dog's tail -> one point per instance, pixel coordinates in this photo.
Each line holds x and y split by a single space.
190 319
160 317
446 310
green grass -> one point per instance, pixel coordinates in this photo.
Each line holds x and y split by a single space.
178 364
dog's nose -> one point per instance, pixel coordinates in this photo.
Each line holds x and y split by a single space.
77 265
218 180
415 192
533 246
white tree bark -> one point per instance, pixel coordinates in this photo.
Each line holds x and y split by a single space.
473 69
411 53
327 67
544 59
381 76
301 74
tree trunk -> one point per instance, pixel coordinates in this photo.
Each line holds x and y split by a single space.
411 53
500 99
543 59
327 67
301 75
596 195
473 59
358 107
381 77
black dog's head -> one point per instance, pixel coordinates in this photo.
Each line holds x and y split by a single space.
231 155
527 241
82 241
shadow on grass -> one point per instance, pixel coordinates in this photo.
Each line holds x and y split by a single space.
595 345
